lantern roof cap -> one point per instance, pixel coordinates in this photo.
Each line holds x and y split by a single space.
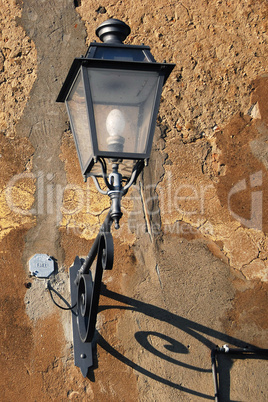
113 31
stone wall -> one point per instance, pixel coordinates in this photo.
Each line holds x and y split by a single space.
190 267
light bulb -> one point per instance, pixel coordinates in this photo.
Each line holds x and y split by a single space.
115 123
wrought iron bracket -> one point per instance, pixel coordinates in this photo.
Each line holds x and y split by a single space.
85 289
85 293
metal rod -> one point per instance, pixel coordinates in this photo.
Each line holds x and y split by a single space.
89 259
214 374
247 352
135 173
106 227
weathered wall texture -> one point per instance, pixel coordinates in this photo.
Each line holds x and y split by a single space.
191 255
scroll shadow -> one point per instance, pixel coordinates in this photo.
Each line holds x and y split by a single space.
106 346
197 331
173 345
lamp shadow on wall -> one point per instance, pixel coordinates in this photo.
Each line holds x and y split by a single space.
199 332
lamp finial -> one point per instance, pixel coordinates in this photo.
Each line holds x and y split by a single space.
113 31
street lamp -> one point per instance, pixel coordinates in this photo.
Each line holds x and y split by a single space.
112 97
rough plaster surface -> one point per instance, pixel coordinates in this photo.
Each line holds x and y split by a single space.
190 272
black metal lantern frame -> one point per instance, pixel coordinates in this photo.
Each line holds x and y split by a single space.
112 97
79 68
134 65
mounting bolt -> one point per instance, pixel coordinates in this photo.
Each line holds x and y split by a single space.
83 356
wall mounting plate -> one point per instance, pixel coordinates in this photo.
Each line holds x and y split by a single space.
83 357
41 265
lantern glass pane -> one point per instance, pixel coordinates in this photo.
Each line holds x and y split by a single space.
123 103
77 108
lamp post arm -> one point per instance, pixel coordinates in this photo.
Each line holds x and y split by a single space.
105 229
106 226
135 173
97 184
104 173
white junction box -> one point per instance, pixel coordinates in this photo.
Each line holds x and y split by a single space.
41 265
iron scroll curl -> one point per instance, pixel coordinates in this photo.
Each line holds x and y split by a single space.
88 290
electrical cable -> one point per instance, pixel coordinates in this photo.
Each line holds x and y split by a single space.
52 298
